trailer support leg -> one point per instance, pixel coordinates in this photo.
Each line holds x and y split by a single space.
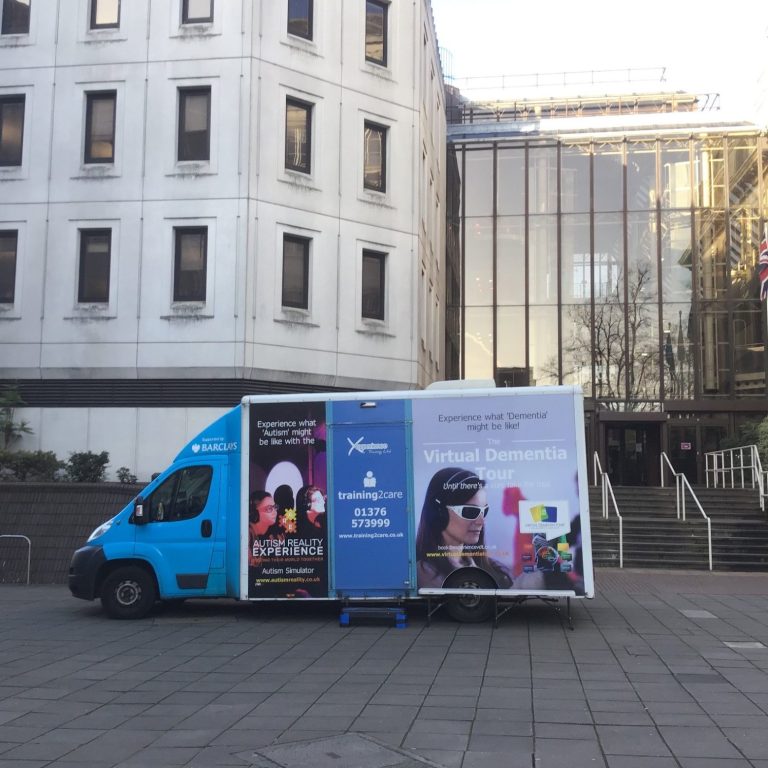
555 603
506 607
430 610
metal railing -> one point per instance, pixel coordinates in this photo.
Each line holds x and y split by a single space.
736 468
29 547
606 493
681 485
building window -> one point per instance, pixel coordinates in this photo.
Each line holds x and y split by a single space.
376 31
196 11
295 292
298 135
11 129
190 263
375 157
93 283
374 263
9 242
105 14
15 17
100 127
300 18
194 123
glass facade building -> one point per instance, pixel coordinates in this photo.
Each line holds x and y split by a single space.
623 262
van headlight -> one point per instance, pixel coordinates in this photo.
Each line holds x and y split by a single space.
101 530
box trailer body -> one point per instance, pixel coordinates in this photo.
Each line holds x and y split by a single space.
360 496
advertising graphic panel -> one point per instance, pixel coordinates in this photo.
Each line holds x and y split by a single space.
496 488
370 499
287 530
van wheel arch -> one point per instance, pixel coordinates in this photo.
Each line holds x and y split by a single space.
470 608
128 589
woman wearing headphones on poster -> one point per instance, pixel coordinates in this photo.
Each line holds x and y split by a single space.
451 532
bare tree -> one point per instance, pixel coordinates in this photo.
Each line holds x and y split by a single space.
625 347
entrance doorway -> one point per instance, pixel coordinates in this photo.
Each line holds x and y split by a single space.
632 453
690 439
684 450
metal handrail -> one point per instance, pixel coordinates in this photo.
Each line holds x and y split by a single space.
596 466
662 459
29 548
681 484
606 491
728 465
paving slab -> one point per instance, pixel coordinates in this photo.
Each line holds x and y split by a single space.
556 753
632 740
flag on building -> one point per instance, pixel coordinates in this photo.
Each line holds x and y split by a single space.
762 268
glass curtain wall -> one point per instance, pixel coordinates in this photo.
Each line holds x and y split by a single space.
511 283
628 267
477 183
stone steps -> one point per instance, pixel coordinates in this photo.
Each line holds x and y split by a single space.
654 537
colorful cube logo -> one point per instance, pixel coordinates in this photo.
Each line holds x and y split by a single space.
541 513
548 517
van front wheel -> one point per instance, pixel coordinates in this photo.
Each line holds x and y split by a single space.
128 593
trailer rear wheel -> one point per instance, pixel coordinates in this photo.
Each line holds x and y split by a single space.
469 608
128 593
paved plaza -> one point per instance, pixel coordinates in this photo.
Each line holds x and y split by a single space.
662 669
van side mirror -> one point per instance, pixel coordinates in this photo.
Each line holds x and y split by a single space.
139 512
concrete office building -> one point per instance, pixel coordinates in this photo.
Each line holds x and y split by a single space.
201 199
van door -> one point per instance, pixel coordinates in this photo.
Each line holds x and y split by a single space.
184 511
369 499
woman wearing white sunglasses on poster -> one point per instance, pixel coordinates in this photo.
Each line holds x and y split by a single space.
451 533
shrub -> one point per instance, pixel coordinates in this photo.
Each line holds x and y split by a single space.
10 429
124 475
87 467
754 432
30 465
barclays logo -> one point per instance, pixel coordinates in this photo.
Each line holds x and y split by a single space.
220 447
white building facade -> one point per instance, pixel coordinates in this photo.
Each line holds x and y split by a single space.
203 198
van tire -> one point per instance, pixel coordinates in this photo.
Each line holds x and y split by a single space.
469 608
128 593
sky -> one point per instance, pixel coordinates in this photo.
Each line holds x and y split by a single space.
699 47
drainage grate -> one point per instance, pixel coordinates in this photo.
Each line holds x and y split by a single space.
351 750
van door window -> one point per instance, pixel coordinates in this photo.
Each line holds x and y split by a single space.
181 496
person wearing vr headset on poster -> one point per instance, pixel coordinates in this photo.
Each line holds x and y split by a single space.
262 523
451 533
